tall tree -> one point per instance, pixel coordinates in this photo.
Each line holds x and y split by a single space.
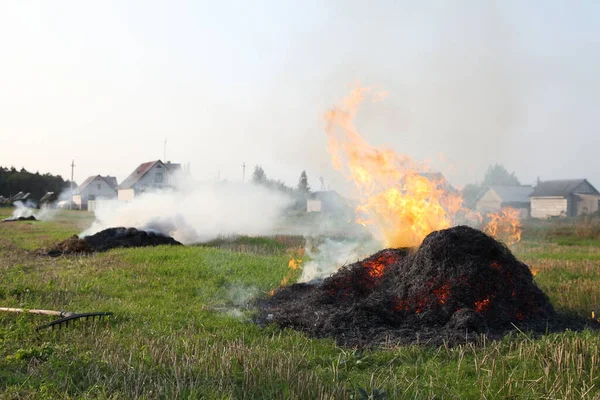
259 176
303 186
498 175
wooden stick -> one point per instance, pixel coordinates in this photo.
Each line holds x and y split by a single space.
39 312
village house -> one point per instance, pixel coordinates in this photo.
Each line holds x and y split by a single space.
94 188
564 198
328 202
153 175
493 198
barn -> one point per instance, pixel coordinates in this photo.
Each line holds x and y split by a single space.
564 198
494 198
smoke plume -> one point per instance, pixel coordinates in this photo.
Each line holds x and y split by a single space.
195 212
27 209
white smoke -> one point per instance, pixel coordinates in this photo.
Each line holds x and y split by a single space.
28 208
197 212
333 253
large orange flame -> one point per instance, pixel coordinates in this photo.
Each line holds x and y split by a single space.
397 197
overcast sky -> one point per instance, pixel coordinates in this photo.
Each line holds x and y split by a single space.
227 82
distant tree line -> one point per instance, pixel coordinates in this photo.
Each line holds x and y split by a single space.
300 193
13 181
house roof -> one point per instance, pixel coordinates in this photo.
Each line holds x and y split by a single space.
143 169
110 180
439 179
46 198
513 194
560 188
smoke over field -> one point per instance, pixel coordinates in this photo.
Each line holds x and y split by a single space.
197 212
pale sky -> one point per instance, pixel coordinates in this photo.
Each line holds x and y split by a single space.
104 83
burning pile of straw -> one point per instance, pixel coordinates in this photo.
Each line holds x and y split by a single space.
459 284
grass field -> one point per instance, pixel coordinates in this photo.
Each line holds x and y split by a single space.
181 328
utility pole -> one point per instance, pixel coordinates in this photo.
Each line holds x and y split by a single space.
72 170
165 151
243 172
322 183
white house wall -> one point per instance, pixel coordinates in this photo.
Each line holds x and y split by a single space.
313 206
545 207
126 194
489 202
97 189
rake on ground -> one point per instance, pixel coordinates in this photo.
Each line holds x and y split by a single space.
64 316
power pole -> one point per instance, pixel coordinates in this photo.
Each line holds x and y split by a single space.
243 172
322 183
72 171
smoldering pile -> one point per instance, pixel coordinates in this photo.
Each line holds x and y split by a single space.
30 218
459 284
111 238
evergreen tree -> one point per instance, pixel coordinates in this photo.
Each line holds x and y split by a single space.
303 186
259 176
497 175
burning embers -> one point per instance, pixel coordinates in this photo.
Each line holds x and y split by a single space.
459 282
109 239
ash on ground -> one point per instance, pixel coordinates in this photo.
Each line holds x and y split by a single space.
110 239
459 286
30 218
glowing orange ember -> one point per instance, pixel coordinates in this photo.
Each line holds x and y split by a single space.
481 306
505 225
442 293
377 267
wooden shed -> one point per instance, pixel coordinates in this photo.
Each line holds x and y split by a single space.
564 198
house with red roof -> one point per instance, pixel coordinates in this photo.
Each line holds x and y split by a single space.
148 176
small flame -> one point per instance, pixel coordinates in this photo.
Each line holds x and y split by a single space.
505 225
293 265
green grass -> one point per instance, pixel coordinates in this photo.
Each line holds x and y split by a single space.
182 329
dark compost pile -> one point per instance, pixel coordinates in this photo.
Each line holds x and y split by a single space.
109 239
459 284
30 218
